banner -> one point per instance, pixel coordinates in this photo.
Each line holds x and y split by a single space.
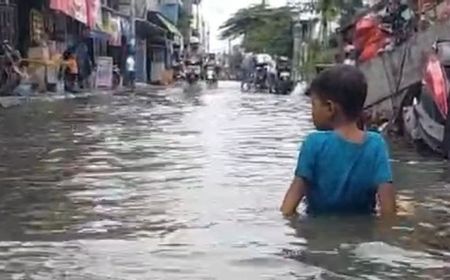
104 73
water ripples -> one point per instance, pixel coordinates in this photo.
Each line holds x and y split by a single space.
175 185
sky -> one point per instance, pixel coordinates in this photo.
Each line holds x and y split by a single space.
217 12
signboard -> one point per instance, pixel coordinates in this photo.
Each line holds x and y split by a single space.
103 77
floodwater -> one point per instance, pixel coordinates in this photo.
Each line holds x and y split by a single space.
178 185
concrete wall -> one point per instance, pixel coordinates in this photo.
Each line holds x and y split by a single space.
384 71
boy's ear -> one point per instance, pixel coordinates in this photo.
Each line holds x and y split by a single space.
331 106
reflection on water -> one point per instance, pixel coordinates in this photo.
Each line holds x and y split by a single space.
186 185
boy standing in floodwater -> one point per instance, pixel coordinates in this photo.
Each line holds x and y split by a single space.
341 169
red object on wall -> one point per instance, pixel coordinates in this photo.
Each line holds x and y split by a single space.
436 82
369 38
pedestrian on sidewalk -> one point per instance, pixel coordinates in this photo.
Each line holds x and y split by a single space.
69 71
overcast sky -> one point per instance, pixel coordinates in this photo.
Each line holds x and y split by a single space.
217 12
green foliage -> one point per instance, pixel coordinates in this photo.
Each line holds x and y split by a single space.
321 51
264 30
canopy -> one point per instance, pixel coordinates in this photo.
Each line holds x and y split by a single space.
166 24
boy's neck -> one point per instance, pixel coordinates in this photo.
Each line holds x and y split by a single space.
350 132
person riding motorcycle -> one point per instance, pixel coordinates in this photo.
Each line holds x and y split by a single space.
193 69
283 83
283 65
248 68
9 68
211 63
264 71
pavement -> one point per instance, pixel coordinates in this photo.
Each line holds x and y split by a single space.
12 101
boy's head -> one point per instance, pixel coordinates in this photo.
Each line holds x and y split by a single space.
338 96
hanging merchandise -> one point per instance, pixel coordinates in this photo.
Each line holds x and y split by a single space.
76 9
79 10
116 34
94 12
36 26
61 5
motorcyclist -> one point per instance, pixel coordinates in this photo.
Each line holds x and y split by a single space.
263 63
283 65
196 61
271 73
283 83
248 68
211 62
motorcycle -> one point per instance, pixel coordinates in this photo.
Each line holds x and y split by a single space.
284 84
10 75
261 77
211 76
117 77
193 72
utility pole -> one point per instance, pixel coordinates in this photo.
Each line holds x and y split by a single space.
198 19
133 19
264 3
132 45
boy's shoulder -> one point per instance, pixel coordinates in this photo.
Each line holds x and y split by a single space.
319 134
317 137
375 137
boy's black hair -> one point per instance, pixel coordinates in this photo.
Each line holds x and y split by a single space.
344 84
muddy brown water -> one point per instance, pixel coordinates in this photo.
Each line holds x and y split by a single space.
187 185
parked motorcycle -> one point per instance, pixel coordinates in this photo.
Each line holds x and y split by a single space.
425 111
10 75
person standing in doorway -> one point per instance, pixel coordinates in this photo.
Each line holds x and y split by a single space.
84 62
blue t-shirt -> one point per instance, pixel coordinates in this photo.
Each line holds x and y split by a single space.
343 176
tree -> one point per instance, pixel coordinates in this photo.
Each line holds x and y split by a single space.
263 29
331 10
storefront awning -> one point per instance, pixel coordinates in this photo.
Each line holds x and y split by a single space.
146 29
99 34
160 20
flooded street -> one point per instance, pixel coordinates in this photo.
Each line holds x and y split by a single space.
176 185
